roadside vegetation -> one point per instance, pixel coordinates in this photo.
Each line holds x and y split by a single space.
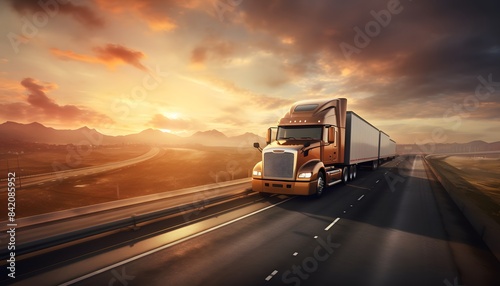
477 178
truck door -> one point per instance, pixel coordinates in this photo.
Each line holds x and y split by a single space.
330 150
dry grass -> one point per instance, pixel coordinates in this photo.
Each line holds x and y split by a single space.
483 173
477 179
42 159
173 168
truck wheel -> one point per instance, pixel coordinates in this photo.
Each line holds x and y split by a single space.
374 164
351 172
345 175
354 172
320 186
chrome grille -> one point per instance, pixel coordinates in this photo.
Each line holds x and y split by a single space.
278 165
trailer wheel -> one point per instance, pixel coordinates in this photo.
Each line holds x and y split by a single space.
345 175
374 164
320 186
354 172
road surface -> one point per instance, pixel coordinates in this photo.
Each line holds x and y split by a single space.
391 226
75 220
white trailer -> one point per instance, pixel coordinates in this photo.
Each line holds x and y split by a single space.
361 141
387 147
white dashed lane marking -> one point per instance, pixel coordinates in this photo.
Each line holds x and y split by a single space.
270 276
334 222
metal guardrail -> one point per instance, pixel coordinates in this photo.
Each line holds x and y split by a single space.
59 215
486 227
129 220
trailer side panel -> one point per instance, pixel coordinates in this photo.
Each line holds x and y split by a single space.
387 146
362 140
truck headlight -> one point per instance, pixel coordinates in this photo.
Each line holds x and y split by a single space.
305 175
257 173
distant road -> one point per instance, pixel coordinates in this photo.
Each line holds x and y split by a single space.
80 172
391 226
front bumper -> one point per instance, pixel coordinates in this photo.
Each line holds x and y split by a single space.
284 187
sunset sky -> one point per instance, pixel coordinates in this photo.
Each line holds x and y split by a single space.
418 70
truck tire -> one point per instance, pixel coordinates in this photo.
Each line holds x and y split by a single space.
374 164
345 174
354 172
320 185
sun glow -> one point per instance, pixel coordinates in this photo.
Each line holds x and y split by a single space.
171 115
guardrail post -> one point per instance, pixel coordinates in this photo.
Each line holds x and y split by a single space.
134 221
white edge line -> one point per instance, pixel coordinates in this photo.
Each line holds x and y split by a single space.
334 222
359 199
168 245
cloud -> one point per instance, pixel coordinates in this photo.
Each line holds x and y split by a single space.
112 53
212 48
248 97
17 111
109 55
159 15
39 107
426 51
162 122
82 14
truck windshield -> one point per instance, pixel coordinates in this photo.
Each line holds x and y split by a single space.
299 133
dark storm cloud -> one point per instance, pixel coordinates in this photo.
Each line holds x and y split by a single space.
425 51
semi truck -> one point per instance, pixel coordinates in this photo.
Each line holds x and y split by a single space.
317 144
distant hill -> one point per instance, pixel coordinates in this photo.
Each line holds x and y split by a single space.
148 136
38 133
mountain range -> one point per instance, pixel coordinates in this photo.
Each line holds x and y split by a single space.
12 132
38 133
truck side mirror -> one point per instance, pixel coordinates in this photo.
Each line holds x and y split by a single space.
257 145
331 135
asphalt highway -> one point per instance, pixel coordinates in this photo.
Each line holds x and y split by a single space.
184 200
391 226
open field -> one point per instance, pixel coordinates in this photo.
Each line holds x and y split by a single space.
173 168
483 173
39 159
476 177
